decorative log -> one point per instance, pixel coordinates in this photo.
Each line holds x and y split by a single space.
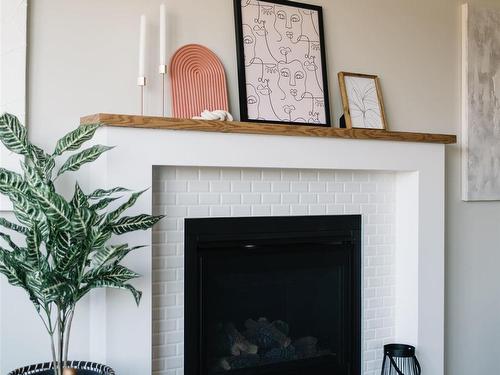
265 334
240 361
276 355
239 344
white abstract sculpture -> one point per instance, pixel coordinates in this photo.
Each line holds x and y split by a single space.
218 115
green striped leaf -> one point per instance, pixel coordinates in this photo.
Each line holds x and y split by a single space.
112 273
88 155
14 274
13 134
55 208
80 222
133 223
106 254
112 216
33 242
114 285
44 162
101 193
17 228
103 203
26 211
8 240
73 140
12 183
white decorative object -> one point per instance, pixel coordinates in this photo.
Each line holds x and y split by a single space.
218 115
162 68
163 35
142 47
362 101
481 103
141 77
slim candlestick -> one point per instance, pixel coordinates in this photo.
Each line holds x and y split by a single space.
163 71
141 82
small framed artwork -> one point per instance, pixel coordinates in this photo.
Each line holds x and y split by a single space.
362 101
281 62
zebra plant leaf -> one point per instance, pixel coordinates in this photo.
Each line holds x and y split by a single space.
73 140
12 183
106 254
113 285
9 269
55 208
103 203
89 155
112 216
132 223
13 135
111 273
44 162
17 228
101 193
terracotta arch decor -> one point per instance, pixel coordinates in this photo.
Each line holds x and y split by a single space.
198 82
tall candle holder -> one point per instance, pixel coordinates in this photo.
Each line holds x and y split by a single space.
163 72
141 82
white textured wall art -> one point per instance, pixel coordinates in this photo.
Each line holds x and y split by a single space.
481 103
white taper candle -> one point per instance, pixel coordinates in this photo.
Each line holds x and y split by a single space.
163 35
142 48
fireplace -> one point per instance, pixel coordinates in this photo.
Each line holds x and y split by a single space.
273 295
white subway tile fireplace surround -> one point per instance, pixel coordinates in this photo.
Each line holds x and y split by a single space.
398 188
181 192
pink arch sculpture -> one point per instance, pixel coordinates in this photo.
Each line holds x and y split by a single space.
198 82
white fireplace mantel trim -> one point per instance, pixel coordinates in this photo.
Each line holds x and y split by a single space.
123 338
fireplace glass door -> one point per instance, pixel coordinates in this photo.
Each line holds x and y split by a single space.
275 303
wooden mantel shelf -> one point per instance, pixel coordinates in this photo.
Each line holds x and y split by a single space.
129 121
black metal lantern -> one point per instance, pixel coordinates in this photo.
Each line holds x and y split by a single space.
400 359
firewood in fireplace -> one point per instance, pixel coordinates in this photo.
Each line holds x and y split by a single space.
240 361
239 344
266 335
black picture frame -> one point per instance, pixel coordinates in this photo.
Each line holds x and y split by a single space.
242 79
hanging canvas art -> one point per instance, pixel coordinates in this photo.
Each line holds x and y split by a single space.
481 103
282 64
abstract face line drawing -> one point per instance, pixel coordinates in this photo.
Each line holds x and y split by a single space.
362 101
282 69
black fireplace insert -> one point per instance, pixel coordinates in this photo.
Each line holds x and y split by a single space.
273 296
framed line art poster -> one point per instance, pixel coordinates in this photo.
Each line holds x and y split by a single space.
281 62
362 101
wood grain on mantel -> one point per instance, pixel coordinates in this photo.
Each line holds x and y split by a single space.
148 122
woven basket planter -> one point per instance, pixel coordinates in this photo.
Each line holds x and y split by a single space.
83 367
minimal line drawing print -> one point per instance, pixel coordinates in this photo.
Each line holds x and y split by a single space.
362 101
282 71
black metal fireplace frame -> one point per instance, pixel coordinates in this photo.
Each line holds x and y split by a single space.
211 232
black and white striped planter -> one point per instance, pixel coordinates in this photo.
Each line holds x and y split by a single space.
83 367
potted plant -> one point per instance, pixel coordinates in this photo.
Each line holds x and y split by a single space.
64 251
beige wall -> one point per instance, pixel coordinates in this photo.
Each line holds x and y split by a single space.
83 60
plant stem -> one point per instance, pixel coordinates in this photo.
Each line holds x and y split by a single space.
68 332
60 338
54 359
